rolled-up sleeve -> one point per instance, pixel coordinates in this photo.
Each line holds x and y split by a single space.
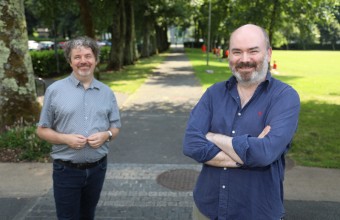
114 116
195 144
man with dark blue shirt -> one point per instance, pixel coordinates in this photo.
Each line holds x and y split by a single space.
240 131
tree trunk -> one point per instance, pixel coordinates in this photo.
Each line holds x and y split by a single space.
86 18
149 46
118 36
162 38
146 38
158 30
153 41
17 87
130 33
274 16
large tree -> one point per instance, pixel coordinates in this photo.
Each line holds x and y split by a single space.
118 35
17 87
130 54
86 17
285 21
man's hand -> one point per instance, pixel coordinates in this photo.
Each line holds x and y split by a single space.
210 136
96 140
264 132
75 141
224 142
222 160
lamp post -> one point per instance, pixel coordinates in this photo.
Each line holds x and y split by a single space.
209 24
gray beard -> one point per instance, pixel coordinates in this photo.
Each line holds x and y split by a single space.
257 76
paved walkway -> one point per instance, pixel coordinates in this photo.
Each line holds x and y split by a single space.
148 177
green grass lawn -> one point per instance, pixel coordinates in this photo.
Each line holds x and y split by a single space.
316 77
130 78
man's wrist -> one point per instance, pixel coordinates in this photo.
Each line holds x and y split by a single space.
110 136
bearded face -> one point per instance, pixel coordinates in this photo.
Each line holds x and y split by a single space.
249 55
83 62
250 72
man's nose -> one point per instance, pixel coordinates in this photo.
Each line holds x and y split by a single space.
245 57
83 59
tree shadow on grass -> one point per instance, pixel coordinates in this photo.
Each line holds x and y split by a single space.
317 141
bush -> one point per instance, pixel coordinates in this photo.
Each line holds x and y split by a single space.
45 64
22 140
104 54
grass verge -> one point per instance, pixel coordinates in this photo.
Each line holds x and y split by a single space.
130 78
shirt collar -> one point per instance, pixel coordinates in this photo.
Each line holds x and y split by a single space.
94 84
232 81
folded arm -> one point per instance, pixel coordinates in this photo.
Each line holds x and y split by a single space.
224 142
222 160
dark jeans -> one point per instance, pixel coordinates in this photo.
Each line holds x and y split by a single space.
76 191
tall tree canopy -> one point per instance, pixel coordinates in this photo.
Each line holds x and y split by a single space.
304 21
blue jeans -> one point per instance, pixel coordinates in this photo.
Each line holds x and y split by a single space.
76 191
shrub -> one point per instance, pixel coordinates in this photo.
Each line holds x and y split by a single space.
45 64
105 54
22 139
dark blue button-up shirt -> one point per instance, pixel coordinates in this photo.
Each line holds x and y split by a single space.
255 190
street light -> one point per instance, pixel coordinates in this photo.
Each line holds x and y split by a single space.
209 24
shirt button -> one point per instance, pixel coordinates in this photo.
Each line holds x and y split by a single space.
225 168
239 114
233 132
223 187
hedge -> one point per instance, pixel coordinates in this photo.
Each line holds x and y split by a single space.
45 64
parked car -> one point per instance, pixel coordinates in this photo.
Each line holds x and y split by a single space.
47 45
107 42
61 44
33 45
101 43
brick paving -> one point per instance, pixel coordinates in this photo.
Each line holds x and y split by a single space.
131 192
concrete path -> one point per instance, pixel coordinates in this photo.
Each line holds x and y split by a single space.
148 177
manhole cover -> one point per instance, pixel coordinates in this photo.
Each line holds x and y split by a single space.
180 179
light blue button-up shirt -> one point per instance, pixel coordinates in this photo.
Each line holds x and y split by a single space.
255 190
70 109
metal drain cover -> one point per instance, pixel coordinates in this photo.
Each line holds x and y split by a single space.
180 179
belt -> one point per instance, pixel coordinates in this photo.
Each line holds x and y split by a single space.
81 166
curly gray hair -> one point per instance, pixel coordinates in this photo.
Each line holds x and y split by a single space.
81 42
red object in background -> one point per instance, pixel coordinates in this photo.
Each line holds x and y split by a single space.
227 53
274 65
204 48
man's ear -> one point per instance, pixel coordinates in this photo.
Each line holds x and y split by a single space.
269 52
